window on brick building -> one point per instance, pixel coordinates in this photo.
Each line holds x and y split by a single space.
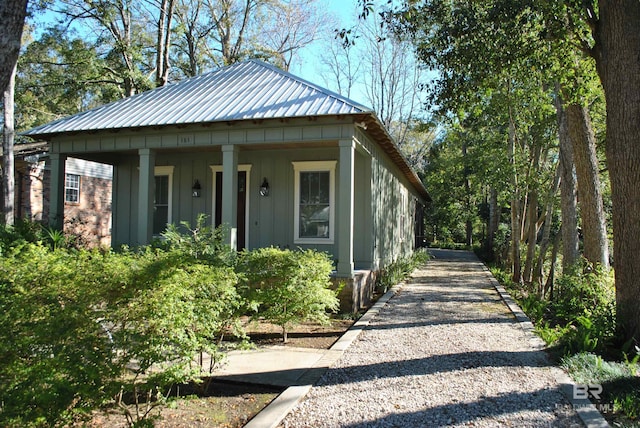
72 188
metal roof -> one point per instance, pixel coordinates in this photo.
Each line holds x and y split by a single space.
250 90
247 90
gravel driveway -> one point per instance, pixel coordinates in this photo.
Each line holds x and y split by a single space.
445 351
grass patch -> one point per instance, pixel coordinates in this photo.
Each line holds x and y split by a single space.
577 321
620 398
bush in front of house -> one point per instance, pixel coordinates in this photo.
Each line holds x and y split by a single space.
83 328
199 242
287 287
56 357
87 328
168 329
400 269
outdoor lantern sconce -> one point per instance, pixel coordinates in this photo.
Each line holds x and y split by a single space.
197 189
264 187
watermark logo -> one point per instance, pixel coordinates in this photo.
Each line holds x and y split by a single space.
587 391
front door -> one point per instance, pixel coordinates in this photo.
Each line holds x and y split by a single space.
241 218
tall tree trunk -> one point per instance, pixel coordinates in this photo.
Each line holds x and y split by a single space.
516 267
531 213
167 43
12 14
548 287
538 273
494 220
160 46
8 182
532 235
467 190
568 191
616 53
163 42
594 225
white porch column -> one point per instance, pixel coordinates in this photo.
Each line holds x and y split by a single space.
56 195
345 209
146 193
230 194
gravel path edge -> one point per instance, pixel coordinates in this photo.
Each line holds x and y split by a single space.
272 415
586 411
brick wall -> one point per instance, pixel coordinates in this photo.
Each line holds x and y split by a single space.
88 221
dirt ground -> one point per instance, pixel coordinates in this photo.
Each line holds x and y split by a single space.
306 335
231 405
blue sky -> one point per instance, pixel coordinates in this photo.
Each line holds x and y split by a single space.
345 13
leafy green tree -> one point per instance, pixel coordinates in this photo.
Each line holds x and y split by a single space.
82 327
504 47
60 75
615 49
289 287
118 29
602 30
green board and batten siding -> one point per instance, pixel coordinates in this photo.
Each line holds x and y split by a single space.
268 122
377 194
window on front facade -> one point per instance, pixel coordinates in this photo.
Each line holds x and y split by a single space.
72 188
314 202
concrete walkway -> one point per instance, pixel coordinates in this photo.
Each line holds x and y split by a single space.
452 294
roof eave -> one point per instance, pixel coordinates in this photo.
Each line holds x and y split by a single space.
380 134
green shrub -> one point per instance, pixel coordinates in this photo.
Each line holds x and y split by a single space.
587 367
170 320
82 327
56 357
201 242
288 287
23 231
581 315
534 307
585 301
400 269
620 385
588 290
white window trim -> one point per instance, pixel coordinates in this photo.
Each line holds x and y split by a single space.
241 167
320 166
72 188
167 170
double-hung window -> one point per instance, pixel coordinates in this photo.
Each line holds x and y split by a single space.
314 220
72 188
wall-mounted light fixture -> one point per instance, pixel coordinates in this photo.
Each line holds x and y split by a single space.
264 187
196 189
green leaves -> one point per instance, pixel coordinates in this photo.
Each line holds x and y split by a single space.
78 327
289 286
83 328
55 355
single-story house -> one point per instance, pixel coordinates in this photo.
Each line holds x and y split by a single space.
276 159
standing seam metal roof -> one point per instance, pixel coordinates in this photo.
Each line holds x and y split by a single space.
247 90
250 90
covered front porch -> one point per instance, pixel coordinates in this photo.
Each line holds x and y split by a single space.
230 177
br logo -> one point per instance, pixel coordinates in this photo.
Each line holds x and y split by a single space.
584 392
